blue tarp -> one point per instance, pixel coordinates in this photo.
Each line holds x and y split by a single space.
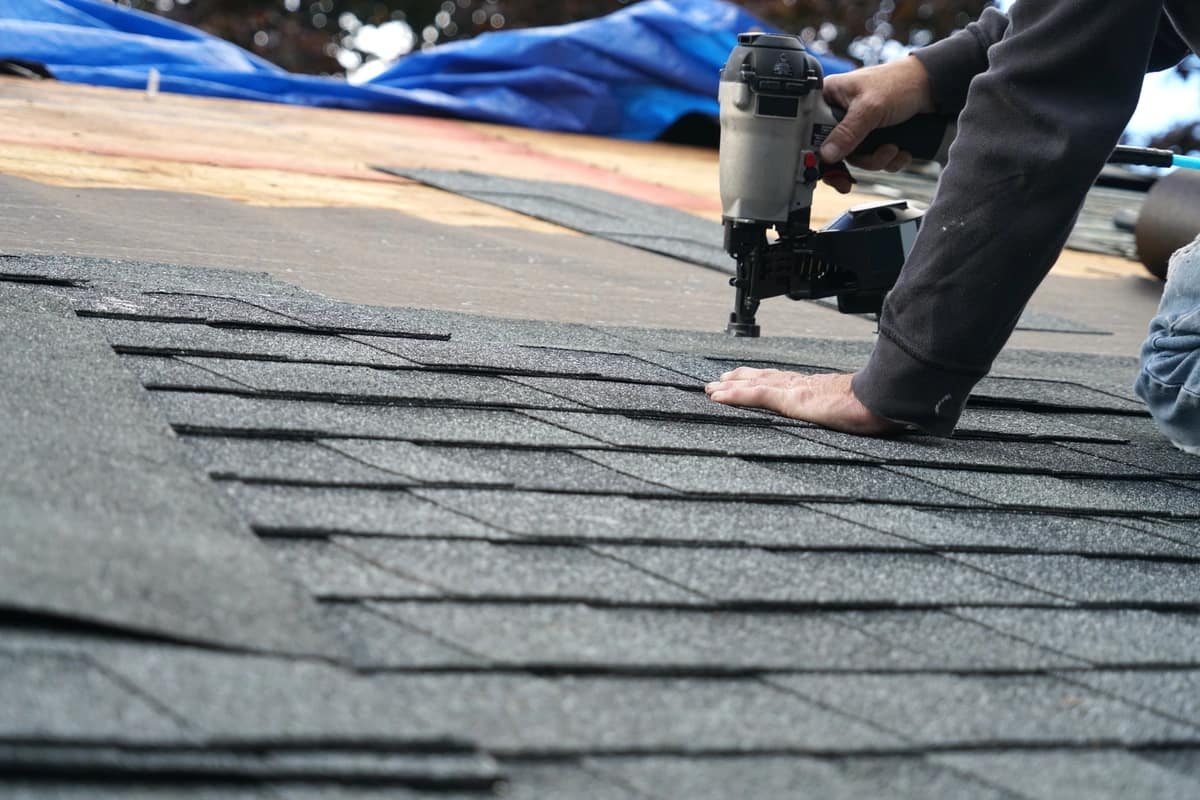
630 74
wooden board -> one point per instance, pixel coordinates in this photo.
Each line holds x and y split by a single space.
269 154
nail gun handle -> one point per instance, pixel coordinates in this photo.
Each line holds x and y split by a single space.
924 135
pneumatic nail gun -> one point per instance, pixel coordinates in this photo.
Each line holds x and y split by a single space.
773 122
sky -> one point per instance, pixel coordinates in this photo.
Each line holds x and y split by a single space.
1167 100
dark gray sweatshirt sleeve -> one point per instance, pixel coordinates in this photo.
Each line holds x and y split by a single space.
1038 125
1169 47
955 60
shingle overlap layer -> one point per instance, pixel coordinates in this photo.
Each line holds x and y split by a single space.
537 553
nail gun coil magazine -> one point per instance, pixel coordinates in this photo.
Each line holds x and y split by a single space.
857 258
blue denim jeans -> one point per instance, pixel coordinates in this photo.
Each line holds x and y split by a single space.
1169 380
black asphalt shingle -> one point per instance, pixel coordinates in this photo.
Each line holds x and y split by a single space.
989 710
956 641
254 416
645 399
519 359
1006 424
623 591
1150 453
199 340
870 483
52 696
518 571
1067 775
1182 762
1038 532
1060 394
134 789
623 714
329 570
394 512
531 780
1097 580
181 306
700 474
372 640
300 510
536 469
659 434
583 517
1173 694
599 213
238 699
173 371
1003 456
418 463
1073 495
1005 489
385 385
1127 636
282 460
776 776
210 769
815 578
575 634
1179 498
90 469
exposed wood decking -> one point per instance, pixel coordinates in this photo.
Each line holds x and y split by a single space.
284 157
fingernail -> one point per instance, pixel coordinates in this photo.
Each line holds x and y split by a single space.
830 153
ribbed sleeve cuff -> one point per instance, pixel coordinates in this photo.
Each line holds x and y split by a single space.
897 386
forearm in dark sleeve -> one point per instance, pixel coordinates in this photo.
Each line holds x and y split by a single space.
954 61
1037 127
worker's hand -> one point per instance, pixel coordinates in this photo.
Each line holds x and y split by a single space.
874 97
827 400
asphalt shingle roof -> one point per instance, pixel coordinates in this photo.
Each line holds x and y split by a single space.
677 234
265 544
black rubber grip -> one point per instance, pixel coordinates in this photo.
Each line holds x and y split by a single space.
922 135
1145 156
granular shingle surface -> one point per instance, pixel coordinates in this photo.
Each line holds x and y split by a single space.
579 634
55 696
518 570
1139 582
659 434
773 776
1078 776
306 510
993 709
334 550
1125 636
1028 531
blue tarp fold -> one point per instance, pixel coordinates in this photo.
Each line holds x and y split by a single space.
630 74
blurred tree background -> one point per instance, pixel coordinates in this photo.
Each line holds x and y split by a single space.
1183 137
359 37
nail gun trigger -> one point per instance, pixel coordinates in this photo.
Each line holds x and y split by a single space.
837 169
